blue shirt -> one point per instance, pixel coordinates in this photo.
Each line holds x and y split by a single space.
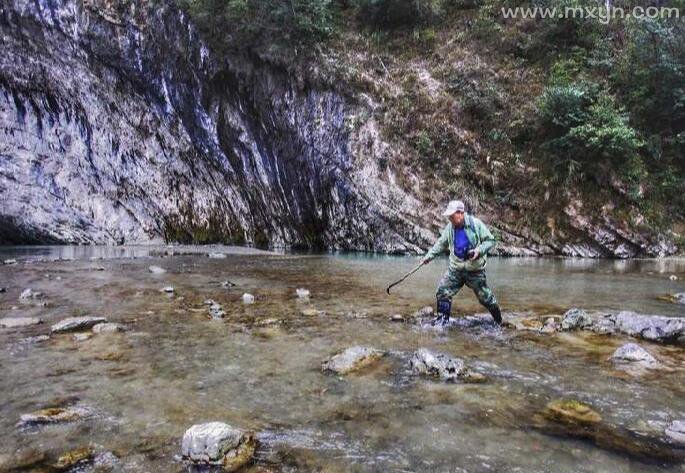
461 243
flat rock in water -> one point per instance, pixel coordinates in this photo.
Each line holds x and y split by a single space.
676 432
217 255
570 411
352 359
16 322
216 443
575 318
72 324
9 262
156 269
431 363
312 312
634 354
656 328
71 459
53 415
109 327
82 337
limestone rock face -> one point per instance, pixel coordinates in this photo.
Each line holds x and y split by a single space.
216 443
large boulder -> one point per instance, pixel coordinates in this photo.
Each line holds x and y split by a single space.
656 328
634 354
431 363
575 318
73 324
17 322
216 443
352 359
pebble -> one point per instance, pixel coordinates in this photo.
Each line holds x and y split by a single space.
248 298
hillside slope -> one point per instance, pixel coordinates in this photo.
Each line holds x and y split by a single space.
120 124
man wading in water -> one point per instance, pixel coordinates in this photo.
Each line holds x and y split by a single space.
469 241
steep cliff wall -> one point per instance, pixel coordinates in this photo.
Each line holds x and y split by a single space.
118 125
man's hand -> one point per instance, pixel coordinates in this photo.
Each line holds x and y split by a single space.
475 253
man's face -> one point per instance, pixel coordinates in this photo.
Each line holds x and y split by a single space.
457 218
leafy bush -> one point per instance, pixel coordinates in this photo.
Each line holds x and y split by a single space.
585 131
243 24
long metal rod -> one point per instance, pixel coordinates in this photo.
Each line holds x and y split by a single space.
404 277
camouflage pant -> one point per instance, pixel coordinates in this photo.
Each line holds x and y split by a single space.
453 280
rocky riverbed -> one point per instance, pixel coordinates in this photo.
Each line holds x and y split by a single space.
106 371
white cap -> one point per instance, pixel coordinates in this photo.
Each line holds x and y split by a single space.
453 206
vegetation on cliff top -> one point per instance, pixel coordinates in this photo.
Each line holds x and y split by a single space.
523 113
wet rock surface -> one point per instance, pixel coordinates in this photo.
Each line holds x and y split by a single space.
650 327
352 359
216 443
54 415
73 324
676 432
575 319
18 322
439 365
634 354
109 327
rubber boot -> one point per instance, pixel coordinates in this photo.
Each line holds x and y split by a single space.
496 314
444 310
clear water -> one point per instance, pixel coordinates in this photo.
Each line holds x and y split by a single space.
176 367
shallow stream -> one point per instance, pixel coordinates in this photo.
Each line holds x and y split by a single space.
176 367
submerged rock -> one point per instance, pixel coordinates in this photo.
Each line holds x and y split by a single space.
575 318
312 312
53 415
16 322
21 460
109 327
82 337
570 411
217 255
352 359
676 432
28 294
36 339
72 324
74 458
634 354
431 363
216 311
156 269
216 443
650 327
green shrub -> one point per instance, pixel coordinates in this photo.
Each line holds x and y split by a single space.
242 24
